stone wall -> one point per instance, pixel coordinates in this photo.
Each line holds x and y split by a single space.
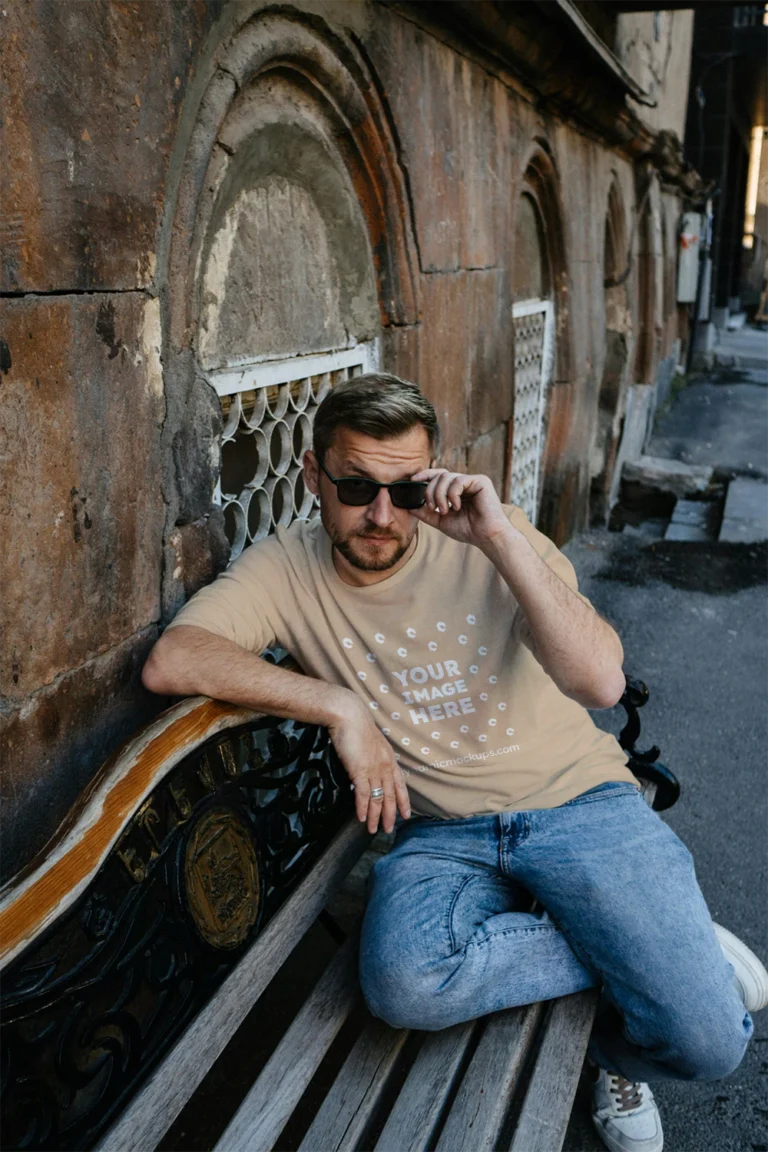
151 148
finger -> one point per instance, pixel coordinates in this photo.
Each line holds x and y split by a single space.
401 794
455 489
362 797
375 805
427 474
441 492
389 808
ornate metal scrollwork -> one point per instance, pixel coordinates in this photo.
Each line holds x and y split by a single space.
92 1005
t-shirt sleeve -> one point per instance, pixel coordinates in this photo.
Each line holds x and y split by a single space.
240 604
552 557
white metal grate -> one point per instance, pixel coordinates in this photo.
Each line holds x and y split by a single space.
533 323
268 410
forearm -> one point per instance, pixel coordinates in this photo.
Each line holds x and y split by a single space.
187 661
578 649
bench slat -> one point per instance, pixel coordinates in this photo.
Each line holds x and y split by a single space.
482 1101
343 1116
418 1108
156 1106
271 1100
543 1120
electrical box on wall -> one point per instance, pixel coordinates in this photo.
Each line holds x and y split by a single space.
688 257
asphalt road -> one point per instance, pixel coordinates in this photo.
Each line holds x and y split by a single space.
695 627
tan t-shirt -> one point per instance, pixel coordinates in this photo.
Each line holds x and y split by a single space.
440 652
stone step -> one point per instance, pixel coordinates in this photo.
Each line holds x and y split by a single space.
745 520
691 520
673 476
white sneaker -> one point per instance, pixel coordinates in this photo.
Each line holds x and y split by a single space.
750 975
625 1114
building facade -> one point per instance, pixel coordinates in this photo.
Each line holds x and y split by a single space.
213 211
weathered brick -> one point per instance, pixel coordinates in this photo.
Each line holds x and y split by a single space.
444 351
487 454
54 743
80 497
91 96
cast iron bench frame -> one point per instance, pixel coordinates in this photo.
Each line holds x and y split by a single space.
80 1071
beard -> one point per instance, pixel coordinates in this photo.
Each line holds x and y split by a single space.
369 555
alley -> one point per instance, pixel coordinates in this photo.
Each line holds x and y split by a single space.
692 616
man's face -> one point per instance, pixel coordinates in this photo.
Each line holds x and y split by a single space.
372 539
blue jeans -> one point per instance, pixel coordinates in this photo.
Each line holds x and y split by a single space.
449 934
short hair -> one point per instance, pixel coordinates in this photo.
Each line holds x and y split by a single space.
375 404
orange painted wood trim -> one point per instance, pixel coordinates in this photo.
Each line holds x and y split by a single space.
36 897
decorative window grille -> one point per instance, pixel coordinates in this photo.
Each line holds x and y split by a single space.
533 322
268 410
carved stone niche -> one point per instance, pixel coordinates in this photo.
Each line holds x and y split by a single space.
288 230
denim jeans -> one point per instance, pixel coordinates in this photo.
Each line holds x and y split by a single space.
449 933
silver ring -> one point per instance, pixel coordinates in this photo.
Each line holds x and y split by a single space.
377 793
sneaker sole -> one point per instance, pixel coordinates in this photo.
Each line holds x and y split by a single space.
652 1145
751 975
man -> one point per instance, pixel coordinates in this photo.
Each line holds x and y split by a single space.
452 659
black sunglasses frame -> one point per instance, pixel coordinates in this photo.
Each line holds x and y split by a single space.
394 489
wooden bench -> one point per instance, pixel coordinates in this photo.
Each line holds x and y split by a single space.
133 949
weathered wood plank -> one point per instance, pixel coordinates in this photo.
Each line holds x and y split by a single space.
418 1108
51 884
343 1116
347 1111
166 1092
271 1100
543 1119
482 1101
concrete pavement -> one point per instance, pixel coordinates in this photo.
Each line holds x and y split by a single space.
693 618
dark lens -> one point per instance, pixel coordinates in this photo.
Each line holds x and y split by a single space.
357 492
409 494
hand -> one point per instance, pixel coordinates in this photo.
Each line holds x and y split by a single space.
370 763
466 508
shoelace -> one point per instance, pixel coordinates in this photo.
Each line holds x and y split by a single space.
627 1093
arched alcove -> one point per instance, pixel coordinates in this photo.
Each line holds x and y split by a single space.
618 341
288 249
543 352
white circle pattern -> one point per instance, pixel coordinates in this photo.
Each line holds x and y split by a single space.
425 751
492 723
383 688
347 642
454 743
361 675
462 639
385 731
432 646
464 728
482 650
492 679
471 620
510 731
473 669
379 637
370 657
410 632
373 705
502 707
435 735
483 695
395 715
483 738
405 740
402 653
440 626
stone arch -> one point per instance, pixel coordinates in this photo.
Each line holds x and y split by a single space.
289 138
618 346
540 181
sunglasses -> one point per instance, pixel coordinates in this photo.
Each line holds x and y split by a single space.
357 490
